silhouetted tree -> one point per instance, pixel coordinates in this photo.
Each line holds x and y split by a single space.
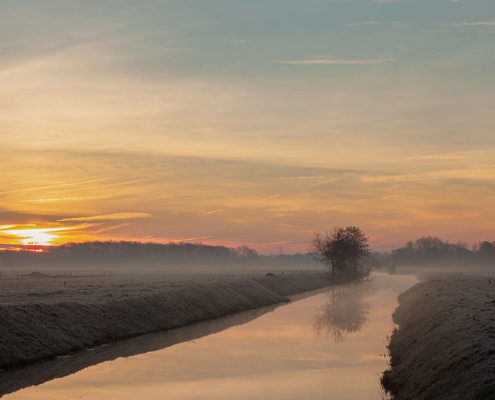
343 252
486 252
247 253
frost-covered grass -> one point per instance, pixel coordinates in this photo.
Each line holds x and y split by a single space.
43 318
445 345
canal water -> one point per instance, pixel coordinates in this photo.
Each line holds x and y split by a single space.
328 344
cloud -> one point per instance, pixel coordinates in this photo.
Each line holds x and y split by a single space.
62 199
437 156
6 226
29 232
364 23
331 208
110 228
403 1
211 212
319 62
42 236
488 23
193 238
390 197
333 179
290 226
268 198
299 177
109 216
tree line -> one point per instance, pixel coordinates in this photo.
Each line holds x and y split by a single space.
134 253
433 251
346 254
343 251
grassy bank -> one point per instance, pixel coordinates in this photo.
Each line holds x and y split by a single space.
44 323
444 347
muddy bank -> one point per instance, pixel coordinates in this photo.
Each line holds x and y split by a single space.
45 328
445 345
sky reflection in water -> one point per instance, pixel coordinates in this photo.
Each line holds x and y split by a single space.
277 356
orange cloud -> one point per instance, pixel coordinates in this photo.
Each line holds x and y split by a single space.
109 217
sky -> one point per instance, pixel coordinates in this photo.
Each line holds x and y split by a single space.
236 122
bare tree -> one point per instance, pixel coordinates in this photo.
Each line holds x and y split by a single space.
344 252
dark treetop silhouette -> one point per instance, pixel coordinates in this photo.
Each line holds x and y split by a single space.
137 254
343 252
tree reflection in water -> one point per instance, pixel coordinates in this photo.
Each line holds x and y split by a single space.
346 311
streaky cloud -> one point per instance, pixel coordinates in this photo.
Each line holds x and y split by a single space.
109 216
331 208
364 23
189 239
333 179
63 199
390 197
268 198
333 62
437 156
211 212
482 23
110 228
299 177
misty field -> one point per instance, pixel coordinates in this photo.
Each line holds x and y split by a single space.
46 317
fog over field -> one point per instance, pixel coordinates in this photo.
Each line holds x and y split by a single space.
165 163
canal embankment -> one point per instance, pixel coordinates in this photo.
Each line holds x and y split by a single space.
42 319
444 346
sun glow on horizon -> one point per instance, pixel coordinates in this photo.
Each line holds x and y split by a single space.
38 236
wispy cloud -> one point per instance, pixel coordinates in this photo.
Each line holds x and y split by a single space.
193 238
364 23
390 197
62 199
268 198
299 177
211 212
330 208
437 156
333 179
320 62
109 228
482 23
45 230
109 217
43 236
290 226
6 226
175 42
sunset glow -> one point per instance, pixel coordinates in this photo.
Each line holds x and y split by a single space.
38 236
366 113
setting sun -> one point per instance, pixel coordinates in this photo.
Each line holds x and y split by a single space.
38 236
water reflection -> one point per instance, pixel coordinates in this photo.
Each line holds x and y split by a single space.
40 372
275 356
345 311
